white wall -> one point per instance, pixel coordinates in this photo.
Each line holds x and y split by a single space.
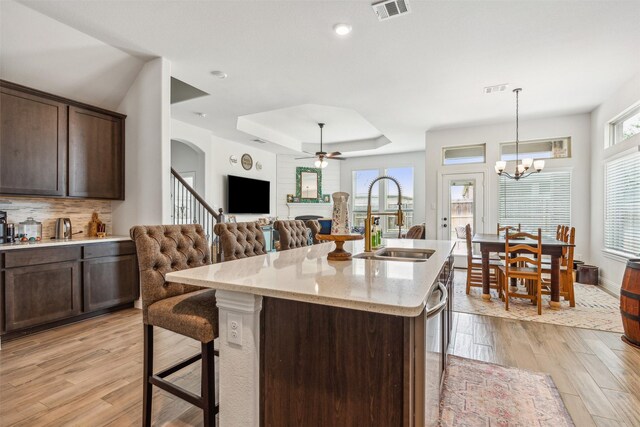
42 53
189 159
575 126
147 149
217 165
415 159
287 185
611 267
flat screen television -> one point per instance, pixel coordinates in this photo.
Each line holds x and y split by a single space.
247 196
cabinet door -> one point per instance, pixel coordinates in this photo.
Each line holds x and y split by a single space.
41 293
96 155
33 144
110 281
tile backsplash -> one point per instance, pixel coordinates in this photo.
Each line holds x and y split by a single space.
47 210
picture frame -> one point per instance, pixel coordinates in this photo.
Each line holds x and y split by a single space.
309 185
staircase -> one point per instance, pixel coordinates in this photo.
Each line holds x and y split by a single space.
188 207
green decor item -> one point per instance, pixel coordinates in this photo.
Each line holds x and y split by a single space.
309 185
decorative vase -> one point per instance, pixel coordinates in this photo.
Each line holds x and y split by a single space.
340 218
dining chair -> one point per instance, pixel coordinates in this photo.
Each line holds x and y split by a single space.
293 234
519 266
474 267
183 309
505 228
240 240
566 269
415 232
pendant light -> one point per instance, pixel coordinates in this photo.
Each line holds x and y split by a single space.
524 166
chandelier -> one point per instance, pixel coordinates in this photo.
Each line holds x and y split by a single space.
524 166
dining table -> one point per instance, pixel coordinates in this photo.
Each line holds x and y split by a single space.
494 243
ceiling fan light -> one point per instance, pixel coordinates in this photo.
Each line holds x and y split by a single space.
317 163
324 164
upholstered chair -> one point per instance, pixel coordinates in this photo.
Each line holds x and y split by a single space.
416 232
187 310
314 226
293 234
240 240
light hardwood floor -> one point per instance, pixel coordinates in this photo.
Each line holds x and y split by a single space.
89 373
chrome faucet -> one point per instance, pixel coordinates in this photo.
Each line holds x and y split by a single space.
368 220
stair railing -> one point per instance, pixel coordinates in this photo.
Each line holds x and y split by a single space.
189 207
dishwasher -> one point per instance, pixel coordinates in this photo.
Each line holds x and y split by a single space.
435 331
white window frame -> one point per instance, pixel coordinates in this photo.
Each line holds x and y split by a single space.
382 196
565 139
613 252
462 147
611 138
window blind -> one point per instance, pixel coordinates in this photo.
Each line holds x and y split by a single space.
622 204
541 200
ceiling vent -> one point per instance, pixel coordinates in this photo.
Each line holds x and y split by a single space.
390 9
496 88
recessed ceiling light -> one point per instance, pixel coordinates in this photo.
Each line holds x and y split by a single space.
342 29
219 74
203 115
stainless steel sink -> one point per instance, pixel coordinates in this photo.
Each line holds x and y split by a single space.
398 254
411 253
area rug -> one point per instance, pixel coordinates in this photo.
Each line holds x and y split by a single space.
595 309
483 394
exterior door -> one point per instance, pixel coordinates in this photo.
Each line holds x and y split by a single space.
462 203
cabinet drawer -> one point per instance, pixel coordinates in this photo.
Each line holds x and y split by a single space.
24 257
98 250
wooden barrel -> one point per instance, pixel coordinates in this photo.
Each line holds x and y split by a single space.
630 303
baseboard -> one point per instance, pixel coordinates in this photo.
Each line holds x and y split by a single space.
610 287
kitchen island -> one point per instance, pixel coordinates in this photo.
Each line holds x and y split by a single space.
307 341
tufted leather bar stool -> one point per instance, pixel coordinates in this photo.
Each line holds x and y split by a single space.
314 226
293 234
240 240
183 309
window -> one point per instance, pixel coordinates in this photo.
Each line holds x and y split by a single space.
463 155
542 200
385 195
625 126
556 148
622 204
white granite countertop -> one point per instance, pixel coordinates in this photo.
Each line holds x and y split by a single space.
304 274
50 243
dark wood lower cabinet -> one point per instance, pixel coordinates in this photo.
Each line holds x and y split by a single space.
110 281
328 366
46 287
331 366
41 293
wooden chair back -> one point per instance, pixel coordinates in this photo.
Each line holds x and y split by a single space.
467 238
516 251
505 228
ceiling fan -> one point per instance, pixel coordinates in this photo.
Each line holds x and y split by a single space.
322 156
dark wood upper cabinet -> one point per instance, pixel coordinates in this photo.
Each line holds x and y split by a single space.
53 146
33 144
96 166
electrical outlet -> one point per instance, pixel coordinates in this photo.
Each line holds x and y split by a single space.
234 328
